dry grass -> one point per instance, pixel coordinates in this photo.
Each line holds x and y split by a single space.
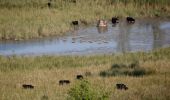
46 83
147 87
33 19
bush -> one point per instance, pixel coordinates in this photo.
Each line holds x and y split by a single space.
138 72
132 69
84 91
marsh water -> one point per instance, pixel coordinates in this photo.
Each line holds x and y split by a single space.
143 35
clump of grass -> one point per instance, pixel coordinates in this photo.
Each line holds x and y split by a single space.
44 97
133 69
139 72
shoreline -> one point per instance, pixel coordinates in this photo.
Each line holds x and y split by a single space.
71 29
30 23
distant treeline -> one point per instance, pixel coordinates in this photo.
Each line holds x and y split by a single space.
60 3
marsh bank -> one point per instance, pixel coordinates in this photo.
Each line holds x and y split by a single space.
144 35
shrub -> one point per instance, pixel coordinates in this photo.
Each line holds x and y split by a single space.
132 69
84 91
138 72
134 64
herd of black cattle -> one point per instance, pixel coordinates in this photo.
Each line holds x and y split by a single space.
119 86
114 21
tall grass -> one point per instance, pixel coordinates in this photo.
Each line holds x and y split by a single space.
50 62
46 71
65 3
25 19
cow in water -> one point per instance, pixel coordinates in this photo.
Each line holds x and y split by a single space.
130 20
102 23
115 20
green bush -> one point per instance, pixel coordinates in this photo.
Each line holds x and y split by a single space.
132 69
84 91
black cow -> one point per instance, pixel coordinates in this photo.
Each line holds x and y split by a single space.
62 82
130 20
79 77
27 86
115 20
75 23
121 86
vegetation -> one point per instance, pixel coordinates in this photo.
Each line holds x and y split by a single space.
84 91
50 62
146 75
45 72
25 19
132 69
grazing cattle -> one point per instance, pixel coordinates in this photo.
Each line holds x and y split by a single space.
121 86
102 23
115 20
75 23
130 20
27 86
62 82
79 77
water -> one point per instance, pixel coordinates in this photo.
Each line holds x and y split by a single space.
144 35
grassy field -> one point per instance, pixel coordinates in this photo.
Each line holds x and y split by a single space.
147 75
26 19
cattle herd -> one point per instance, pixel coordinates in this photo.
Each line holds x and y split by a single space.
103 23
119 86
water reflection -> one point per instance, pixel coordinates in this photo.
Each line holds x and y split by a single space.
123 38
144 35
102 29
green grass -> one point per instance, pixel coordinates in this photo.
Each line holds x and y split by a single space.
26 19
44 72
84 91
64 3
23 19
50 62
132 69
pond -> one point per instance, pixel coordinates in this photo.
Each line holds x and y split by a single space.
143 35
